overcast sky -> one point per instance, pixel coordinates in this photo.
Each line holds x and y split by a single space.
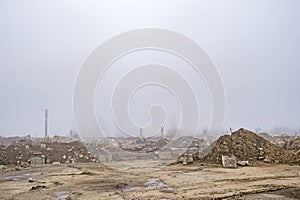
255 44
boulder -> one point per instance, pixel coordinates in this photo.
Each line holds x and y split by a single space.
243 163
229 161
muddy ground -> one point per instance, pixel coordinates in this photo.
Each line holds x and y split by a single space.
137 180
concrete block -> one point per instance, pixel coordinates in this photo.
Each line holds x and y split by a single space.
37 160
229 161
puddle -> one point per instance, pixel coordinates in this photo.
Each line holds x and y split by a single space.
19 177
61 195
13 178
150 184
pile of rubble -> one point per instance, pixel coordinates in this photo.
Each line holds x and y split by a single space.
293 145
147 145
196 148
288 142
248 146
6 141
25 151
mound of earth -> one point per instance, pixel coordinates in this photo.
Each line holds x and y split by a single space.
23 151
247 146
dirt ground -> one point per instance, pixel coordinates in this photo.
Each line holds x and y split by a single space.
139 180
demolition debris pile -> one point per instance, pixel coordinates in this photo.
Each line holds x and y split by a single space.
144 144
151 148
26 151
293 145
284 141
6 141
247 146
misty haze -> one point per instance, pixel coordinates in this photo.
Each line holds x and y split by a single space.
149 99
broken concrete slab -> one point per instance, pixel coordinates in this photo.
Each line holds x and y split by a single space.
37 160
229 161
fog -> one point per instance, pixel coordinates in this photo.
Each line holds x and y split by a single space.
254 44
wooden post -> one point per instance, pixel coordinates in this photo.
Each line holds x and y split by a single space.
46 123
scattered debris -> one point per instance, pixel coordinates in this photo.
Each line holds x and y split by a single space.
151 148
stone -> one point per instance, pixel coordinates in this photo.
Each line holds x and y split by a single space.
37 160
190 158
184 162
31 180
267 159
243 163
3 167
229 161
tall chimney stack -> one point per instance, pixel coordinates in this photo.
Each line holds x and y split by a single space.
46 123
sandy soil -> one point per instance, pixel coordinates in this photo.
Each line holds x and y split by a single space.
137 180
